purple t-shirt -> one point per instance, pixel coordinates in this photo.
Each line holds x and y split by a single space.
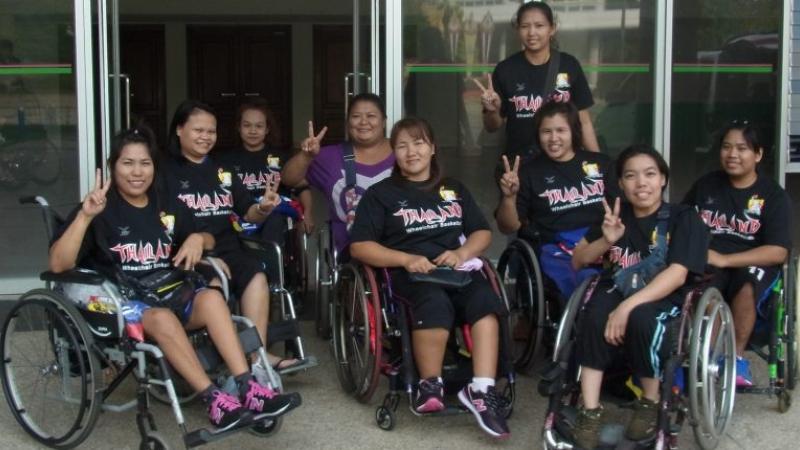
326 173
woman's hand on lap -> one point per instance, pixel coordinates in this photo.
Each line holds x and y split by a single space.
190 252
417 263
450 258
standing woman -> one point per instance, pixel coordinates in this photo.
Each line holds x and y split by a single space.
645 230
558 194
215 197
411 223
525 81
123 217
326 168
749 216
257 163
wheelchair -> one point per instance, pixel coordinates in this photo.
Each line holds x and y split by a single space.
702 354
56 351
372 336
775 338
326 274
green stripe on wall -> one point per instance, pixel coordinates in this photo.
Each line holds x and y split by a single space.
35 70
602 69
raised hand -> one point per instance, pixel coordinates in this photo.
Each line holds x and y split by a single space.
271 199
95 201
449 258
417 263
613 228
509 182
311 144
489 98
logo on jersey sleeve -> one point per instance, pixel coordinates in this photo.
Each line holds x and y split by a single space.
224 178
591 170
168 221
273 162
447 195
562 81
755 205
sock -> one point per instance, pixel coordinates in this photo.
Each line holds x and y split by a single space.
481 384
438 379
207 394
242 383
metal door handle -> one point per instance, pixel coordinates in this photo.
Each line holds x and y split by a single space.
252 94
128 97
227 94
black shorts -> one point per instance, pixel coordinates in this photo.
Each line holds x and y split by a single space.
243 268
730 281
434 306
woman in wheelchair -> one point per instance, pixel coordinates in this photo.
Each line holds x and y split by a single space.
662 244
749 217
417 222
558 194
342 172
123 224
216 198
257 162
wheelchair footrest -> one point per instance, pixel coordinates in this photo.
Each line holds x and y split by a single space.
308 362
204 436
210 358
283 331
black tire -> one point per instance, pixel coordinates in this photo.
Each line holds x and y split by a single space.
45 342
45 163
385 418
566 324
525 294
268 428
791 297
357 340
154 441
324 277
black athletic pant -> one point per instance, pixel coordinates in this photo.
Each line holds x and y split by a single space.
643 346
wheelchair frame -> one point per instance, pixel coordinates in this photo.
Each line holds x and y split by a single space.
83 348
702 341
367 315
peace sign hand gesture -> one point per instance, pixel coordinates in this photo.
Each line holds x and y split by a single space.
489 98
271 199
613 228
95 201
509 182
311 144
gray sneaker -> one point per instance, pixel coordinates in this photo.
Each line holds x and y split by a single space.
586 433
644 421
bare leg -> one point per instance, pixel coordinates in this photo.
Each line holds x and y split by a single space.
591 381
429 347
161 325
255 306
486 341
650 389
743 308
211 312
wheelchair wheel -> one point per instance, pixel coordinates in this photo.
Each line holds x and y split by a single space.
567 323
791 295
712 373
324 268
51 375
520 274
154 441
268 428
357 343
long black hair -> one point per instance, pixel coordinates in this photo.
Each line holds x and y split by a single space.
182 113
417 128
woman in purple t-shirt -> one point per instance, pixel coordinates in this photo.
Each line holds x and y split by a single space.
324 169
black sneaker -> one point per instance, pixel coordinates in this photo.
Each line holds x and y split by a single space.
430 396
225 411
485 409
265 402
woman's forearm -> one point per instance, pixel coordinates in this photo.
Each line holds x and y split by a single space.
507 216
376 255
476 244
587 129
294 171
665 283
587 253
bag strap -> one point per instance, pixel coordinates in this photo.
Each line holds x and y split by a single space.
661 226
349 164
552 72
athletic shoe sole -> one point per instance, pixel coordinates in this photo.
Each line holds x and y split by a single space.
468 404
294 402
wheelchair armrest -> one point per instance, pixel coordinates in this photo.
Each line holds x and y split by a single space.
79 276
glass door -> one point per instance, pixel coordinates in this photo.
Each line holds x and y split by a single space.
367 26
43 149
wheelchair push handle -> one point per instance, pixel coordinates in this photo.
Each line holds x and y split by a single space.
33 200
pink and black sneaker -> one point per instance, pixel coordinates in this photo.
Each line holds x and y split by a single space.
266 403
430 396
485 408
224 410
